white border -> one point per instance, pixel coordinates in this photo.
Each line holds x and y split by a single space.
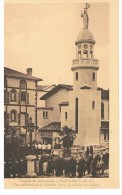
45 191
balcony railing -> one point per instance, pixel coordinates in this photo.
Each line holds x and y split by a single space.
85 62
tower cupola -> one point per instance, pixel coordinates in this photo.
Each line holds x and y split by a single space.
85 66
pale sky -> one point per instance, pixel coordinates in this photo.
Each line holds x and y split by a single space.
42 36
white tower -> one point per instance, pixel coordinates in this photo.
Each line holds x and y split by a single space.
85 100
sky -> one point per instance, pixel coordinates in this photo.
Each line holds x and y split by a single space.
42 36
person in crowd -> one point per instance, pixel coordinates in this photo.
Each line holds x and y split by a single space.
87 152
61 165
45 165
67 167
41 161
91 151
49 147
39 148
57 166
81 167
22 167
98 157
53 165
107 159
43 148
93 167
49 168
72 167
88 164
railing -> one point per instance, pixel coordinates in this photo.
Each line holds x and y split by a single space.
85 62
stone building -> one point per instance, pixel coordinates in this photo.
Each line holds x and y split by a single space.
20 100
83 106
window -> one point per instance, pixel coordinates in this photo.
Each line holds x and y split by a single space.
93 76
91 54
93 105
13 115
4 119
66 116
23 97
23 119
91 46
102 110
5 82
23 84
85 46
79 54
85 54
105 136
45 114
76 76
76 115
13 95
5 94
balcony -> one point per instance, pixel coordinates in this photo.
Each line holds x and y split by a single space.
85 63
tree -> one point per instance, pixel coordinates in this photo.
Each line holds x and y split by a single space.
12 142
68 137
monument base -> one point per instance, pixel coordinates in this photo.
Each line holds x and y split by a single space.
31 166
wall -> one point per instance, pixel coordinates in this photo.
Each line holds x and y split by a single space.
64 122
89 120
43 122
84 78
53 101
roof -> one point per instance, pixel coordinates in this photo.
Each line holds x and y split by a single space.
56 89
45 87
44 108
64 103
85 36
40 87
85 87
15 74
54 126
104 125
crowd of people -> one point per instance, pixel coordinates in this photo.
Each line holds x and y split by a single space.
47 164
73 166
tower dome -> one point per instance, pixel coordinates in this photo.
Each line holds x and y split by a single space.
85 36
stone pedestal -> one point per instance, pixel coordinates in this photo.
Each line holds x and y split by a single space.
31 166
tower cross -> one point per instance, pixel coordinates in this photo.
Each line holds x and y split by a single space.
87 6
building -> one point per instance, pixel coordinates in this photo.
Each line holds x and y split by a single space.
20 100
83 106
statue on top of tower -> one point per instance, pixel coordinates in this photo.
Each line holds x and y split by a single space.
85 17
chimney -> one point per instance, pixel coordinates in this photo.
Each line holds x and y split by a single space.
29 71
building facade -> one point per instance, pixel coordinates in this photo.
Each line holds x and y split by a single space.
20 100
84 106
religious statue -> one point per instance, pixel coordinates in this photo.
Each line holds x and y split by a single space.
85 17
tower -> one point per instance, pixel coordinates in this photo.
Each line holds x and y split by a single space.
85 99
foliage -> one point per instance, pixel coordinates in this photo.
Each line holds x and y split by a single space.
12 142
68 137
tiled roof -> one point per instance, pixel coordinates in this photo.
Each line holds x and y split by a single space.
104 125
64 103
54 126
15 74
54 90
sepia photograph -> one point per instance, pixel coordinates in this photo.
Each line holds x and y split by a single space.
57 87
